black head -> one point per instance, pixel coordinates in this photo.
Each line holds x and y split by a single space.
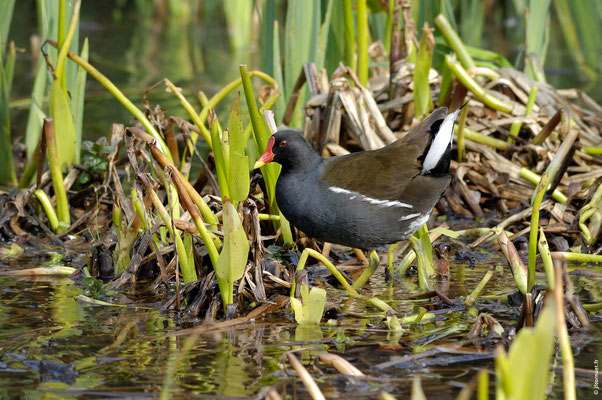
289 149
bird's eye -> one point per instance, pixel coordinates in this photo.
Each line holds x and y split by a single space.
283 143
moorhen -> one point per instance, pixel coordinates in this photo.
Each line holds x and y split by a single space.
369 198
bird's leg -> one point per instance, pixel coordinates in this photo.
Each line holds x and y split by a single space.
361 257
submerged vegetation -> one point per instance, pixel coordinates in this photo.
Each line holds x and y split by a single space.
172 209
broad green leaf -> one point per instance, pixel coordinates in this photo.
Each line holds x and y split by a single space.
261 135
238 178
63 125
218 154
237 136
232 260
422 91
530 356
36 114
46 23
310 308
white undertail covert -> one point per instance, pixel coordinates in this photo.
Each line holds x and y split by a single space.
442 139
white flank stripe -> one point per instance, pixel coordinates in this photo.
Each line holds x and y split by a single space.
442 139
409 216
380 203
414 225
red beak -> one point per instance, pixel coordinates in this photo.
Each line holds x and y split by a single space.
267 155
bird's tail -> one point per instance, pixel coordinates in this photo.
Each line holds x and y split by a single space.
440 145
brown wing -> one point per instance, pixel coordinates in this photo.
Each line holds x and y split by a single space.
384 173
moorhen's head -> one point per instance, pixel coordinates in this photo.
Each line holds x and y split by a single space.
289 149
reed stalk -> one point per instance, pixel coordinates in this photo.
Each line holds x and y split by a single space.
335 272
378 303
516 125
390 258
535 179
65 43
179 182
186 265
114 90
196 119
460 134
304 375
454 41
476 89
546 257
48 209
564 343
477 137
60 194
472 297
580 257
422 90
540 191
427 246
591 211
593 151
261 136
164 161
483 385
363 36
389 26
421 263
367 272
519 271
349 35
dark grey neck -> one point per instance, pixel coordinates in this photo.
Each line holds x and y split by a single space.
304 158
